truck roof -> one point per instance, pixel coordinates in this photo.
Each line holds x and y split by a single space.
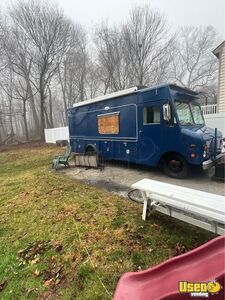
132 90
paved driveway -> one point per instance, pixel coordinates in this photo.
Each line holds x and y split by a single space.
118 177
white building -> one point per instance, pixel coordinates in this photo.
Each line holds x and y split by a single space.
215 113
219 52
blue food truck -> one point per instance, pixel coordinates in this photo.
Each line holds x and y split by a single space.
161 125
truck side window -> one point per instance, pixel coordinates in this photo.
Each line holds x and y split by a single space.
151 115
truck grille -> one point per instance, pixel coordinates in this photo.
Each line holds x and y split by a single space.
211 146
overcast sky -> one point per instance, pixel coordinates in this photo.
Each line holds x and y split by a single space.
178 12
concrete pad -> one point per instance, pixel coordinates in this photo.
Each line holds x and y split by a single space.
118 177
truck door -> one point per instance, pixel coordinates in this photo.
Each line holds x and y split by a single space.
171 134
150 133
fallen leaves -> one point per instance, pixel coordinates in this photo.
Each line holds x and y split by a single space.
49 295
179 249
155 226
3 284
33 212
53 191
57 246
31 290
36 272
35 260
48 282
22 234
78 218
30 253
54 274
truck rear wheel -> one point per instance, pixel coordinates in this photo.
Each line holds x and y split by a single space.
90 150
175 166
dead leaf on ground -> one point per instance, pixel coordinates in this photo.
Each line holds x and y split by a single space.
68 257
179 249
49 295
30 253
78 218
48 282
22 234
36 272
3 284
35 260
54 258
54 274
54 191
155 226
57 246
29 291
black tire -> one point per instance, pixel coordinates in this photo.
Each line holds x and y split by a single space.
175 166
91 150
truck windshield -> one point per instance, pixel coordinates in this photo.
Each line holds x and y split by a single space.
189 113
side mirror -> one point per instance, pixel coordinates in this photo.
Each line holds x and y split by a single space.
166 112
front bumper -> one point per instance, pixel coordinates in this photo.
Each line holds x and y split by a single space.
212 162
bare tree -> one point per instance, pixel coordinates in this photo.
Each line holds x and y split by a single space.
135 53
3 62
48 63
112 57
16 49
193 64
9 109
72 72
93 82
147 44
48 32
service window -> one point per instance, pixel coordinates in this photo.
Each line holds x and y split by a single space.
151 115
108 123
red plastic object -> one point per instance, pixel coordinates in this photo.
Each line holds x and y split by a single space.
203 264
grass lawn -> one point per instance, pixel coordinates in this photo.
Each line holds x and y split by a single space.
62 239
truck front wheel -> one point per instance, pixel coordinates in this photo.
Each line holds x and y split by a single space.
175 166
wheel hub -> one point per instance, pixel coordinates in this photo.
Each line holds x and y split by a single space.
175 165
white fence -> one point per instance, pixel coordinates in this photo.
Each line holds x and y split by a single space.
209 109
54 134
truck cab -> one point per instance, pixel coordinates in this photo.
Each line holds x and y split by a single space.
179 133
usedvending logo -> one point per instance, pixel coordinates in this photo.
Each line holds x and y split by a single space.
200 289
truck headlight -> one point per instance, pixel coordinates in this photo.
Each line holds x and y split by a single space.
205 150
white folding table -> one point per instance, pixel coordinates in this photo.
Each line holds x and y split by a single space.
199 208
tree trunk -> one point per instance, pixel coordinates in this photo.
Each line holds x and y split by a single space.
42 107
47 122
82 88
0 128
33 108
50 108
25 120
10 108
63 88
